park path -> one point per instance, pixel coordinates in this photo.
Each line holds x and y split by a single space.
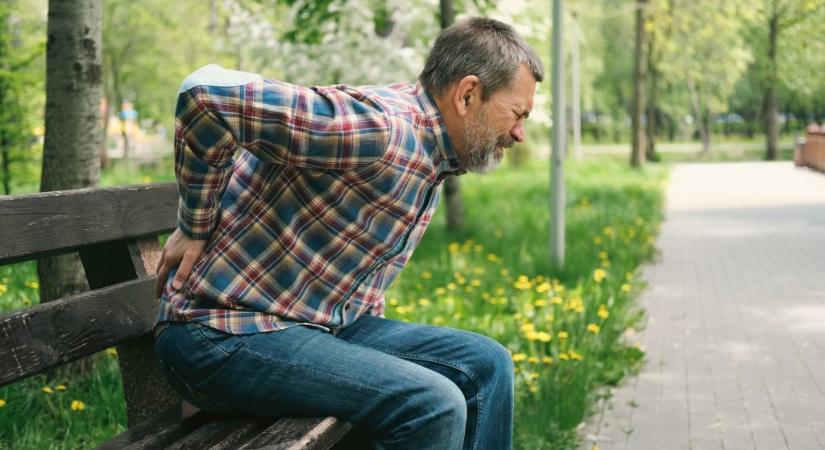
735 328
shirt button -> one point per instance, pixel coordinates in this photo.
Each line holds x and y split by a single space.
347 306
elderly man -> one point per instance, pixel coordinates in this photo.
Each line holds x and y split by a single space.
272 286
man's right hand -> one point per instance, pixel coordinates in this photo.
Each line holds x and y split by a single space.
179 249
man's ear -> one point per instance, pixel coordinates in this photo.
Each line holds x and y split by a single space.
466 95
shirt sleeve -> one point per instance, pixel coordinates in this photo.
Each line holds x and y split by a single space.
220 112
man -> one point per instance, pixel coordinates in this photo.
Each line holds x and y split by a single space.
272 286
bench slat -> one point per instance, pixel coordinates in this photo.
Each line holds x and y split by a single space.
302 433
52 334
221 433
56 222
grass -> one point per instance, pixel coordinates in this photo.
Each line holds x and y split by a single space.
564 328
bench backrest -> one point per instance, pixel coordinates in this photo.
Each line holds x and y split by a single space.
115 231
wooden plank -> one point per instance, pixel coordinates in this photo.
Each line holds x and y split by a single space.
302 433
221 433
156 432
48 335
60 221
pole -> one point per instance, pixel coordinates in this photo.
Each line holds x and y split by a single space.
575 93
559 131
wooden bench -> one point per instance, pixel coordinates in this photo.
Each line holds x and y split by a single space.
812 152
115 231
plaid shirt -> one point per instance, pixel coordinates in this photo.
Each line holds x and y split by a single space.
312 199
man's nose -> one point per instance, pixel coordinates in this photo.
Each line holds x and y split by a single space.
517 132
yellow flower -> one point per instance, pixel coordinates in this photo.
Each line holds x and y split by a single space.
438 320
549 317
527 327
628 276
453 247
111 351
533 359
547 360
626 288
478 270
403 310
451 286
440 291
556 300
599 275
475 282
517 316
2 403
426 275
47 390
540 302
534 388
60 387
602 254
3 288
424 302
597 240
492 257
575 356
523 283
543 337
32 284
533 375
606 264
478 248
393 302
563 335
563 356
77 405
608 231
602 312
593 328
518 357
461 280
531 335
504 272
543 287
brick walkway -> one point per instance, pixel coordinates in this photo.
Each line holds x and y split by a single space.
735 334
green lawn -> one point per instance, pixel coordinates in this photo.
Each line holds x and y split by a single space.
563 327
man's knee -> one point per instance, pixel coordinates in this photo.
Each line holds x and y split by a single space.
492 361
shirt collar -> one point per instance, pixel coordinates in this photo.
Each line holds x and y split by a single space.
445 159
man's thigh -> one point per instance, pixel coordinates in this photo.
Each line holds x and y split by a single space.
304 371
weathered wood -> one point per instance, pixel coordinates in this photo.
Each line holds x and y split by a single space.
304 433
813 153
221 433
57 222
46 336
146 390
156 432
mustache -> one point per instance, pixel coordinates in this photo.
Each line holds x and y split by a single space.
505 142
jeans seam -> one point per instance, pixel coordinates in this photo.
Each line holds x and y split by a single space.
461 368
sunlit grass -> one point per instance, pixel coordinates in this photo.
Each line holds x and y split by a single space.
566 329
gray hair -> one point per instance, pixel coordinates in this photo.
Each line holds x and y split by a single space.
486 48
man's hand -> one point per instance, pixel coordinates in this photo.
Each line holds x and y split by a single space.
179 249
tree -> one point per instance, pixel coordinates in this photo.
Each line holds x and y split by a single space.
637 156
72 139
452 187
777 17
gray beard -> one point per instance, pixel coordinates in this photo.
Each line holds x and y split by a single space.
480 144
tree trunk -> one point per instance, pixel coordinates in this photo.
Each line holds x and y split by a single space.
575 94
637 157
701 121
650 149
452 188
104 150
771 108
71 150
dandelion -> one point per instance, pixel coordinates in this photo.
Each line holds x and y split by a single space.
3 288
426 275
527 327
575 356
563 335
478 248
602 254
599 275
543 337
547 360
424 302
438 320
32 284
533 375
457 316
609 231
461 280
475 282
533 359
606 264
401 310
626 288
2 403
77 405
557 301
534 388
478 270
504 272
453 247
393 302
543 287
440 291
47 390
60 387
451 286
492 257
602 313
523 283
518 357
549 317
540 302
593 328
111 351
145 179
597 240
628 276
564 356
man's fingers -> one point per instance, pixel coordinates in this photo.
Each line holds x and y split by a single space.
184 269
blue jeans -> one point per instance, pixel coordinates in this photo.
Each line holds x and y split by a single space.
410 386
